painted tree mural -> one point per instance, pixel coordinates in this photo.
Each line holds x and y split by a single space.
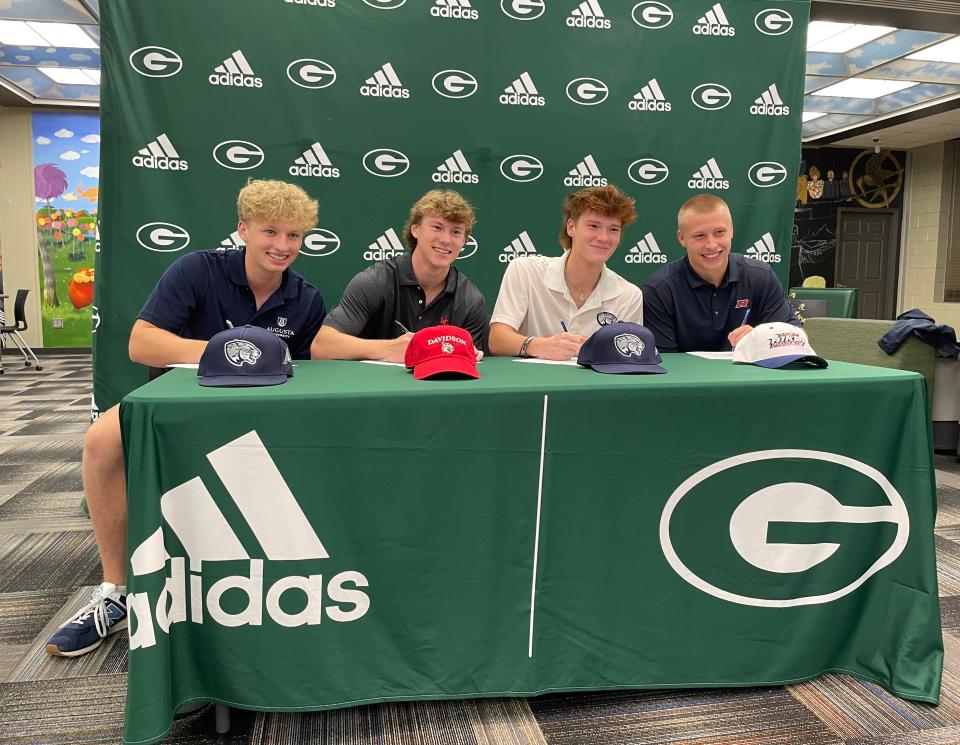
49 183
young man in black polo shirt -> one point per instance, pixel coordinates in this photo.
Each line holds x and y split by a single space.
700 303
385 303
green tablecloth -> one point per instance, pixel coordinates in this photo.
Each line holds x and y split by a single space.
355 535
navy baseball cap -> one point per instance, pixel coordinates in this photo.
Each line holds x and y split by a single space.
621 347
246 355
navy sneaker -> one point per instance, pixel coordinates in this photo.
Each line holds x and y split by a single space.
83 633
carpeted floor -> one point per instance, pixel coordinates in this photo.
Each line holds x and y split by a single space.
48 561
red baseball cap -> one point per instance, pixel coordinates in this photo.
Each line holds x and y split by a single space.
439 350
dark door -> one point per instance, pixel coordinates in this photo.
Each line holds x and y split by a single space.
868 248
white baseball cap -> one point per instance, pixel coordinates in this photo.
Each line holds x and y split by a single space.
776 345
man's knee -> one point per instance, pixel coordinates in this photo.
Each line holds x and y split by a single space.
102 444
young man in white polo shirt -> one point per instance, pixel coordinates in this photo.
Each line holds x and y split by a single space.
540 295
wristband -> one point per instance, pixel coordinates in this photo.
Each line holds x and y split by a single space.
523 347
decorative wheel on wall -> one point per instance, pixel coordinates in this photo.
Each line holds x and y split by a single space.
875 179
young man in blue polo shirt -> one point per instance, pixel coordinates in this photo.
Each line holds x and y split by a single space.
198 296
699 303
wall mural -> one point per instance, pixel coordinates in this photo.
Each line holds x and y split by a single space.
66 173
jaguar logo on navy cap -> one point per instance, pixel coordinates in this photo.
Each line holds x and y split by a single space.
245 356
621 347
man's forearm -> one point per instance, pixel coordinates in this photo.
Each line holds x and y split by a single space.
505 341
330 344
156 347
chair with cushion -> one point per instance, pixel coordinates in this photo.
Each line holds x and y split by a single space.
12 332
842 302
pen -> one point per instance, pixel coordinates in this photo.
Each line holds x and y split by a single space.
229 324
745 317
563 326
402 327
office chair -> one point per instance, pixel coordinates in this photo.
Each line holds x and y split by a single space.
13 332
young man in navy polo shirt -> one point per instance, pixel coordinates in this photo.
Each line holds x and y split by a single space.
198 296
700 303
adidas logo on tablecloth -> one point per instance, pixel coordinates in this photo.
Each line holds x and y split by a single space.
232 242
519 246
160 154
314 162
646 251
714 23
522 92
387 246
384 83
588 14
769 103
585 173
455 170
454 9
650 98
278 524
764 250
708 176
235 71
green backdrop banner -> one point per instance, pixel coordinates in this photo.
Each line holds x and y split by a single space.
369 103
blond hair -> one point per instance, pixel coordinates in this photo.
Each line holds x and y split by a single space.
274 201
447 204
701 204
607 200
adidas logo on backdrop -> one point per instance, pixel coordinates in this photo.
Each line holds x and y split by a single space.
522 92
232 242
646 251
714 23
387 246
650 98
770 104
708 176
314 162
282 530
384 83
519 246
161 155
764 250
455 170
454 9
588 14
585 173
235 71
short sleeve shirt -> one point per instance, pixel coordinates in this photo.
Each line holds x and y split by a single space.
688 314
388 292
534 298
200 292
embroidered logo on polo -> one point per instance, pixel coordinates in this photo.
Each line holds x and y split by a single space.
708 176
314 162
519 246
386 163
769 103
319 242
521 168
240 352
587 91
235 71
277 523
646 251
523 10
155 62
522 92
605 318
161 155
387 246
585 173
652 14
455 170
773 22
311 73
232 242
459 9
782 538
648 171
238 155
384 83
588 14
281 322
629 345
163 237
764 250
767 173
649 98
454 84
714 23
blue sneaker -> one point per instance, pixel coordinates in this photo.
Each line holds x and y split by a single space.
83 633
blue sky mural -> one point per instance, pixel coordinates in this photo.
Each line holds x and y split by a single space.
71 141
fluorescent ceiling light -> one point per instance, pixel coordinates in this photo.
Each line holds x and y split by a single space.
809 116
945 51
844 39
19 34
817 31
63 35
864 88
71 75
